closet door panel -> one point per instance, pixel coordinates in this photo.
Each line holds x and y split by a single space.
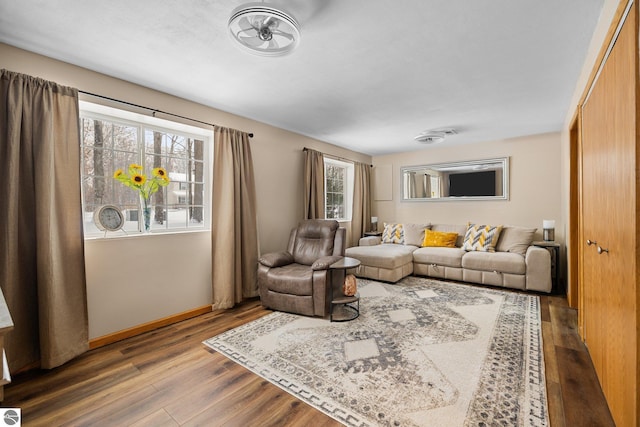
609 216
594 211
620 236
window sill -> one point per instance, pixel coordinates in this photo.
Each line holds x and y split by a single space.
119 235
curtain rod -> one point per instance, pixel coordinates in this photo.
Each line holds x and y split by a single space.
331 155
154 110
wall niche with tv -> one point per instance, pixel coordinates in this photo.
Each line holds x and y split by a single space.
486 179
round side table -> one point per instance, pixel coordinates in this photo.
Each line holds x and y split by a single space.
343 308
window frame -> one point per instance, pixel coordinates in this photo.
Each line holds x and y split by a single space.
348 184
93 111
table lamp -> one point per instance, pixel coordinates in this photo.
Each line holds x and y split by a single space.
548 230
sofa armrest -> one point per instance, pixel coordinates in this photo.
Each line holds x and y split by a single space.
276 259
538 261
370 241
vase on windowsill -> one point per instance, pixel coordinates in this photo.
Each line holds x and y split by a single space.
145 186
146 215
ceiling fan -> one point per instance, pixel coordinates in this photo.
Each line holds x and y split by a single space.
434 136
263 29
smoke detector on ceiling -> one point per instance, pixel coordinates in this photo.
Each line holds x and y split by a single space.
263 29
434 136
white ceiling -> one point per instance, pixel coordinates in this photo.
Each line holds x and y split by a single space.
368 75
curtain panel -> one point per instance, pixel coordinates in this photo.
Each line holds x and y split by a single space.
313 184
234 229
361 215
42 271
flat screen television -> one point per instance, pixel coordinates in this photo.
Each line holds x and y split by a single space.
482 183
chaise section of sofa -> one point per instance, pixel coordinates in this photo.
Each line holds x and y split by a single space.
388 262
514 263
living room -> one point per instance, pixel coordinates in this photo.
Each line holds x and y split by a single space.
538 190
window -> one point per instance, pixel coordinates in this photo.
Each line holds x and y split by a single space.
113 139
338 176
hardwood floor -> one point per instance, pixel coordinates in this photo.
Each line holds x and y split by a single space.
167 377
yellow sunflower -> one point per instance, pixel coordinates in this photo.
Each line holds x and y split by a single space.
160 172
117 173
138 180
135 166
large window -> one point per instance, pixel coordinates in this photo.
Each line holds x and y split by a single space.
113 139
338 186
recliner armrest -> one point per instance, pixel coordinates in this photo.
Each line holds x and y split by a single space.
324 262
276 259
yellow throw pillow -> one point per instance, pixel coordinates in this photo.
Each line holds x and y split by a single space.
393 233
439 239
481 237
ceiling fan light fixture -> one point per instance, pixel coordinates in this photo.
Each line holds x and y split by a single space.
434 136
264 30
429 138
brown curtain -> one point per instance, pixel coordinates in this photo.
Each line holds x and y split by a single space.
234 234
313 184
361 216
42 247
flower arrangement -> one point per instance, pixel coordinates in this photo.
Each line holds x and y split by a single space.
137 180
146 186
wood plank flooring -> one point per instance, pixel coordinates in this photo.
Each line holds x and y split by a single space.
167 377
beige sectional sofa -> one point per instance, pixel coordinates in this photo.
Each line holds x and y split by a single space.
515 263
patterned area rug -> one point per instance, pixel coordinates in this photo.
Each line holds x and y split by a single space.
422 353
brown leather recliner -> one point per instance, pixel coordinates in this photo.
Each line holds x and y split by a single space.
299 280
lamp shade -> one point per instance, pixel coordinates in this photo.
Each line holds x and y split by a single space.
548 223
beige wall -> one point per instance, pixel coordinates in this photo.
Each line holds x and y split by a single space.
120 294
534 187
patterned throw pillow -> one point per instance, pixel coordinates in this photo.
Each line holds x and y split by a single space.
481 237
393 233
439 239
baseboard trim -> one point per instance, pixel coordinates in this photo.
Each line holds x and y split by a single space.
146 327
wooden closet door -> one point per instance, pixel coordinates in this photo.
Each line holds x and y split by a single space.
594 210
609 212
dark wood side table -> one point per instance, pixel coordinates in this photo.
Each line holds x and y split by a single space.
554 249
343 308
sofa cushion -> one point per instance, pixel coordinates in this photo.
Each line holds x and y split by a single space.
448 228
414 233
449 257
385 255
481 237
504 262
293 279
393 233
440 239
515 239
